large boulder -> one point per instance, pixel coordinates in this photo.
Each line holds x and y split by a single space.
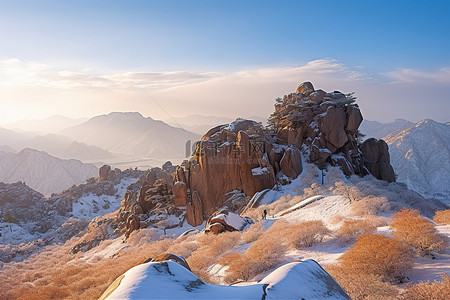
291 163
225 220
354 119
333 126
377 159
305 88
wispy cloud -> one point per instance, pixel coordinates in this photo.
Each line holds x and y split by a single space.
14 72
36 90
415 76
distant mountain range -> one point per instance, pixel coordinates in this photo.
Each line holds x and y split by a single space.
52 124
378 130
43 172
420 156
56 145
130 133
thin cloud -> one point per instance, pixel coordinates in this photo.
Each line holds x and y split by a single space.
416 76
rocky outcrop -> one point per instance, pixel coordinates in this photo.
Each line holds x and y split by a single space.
225 220
244 156
377 159
324 126
228 158
106 174
149 202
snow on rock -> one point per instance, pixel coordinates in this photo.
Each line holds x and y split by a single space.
225 220
169 280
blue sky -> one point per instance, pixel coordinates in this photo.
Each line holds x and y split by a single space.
382 42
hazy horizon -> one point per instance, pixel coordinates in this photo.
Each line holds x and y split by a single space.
173 59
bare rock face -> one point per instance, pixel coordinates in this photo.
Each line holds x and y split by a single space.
332 125
354 119
228 158
180 193
377 159
291 163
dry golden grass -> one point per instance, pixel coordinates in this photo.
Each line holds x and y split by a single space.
306 234
363 286
436 290
369 206
418 232
377 255
55 274
352 229
442 217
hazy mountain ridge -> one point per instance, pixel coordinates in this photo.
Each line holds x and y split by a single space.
52 124
43 172
131 134
378 130
420 155
56 145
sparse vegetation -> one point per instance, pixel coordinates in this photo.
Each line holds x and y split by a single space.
352 229
436 290
377 255
418 232
442 217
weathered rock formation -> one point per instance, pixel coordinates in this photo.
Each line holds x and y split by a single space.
225 220
228 158
149 202
244 156
377 159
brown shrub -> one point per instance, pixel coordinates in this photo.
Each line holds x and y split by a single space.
211 251
352 229
265 254
378 255
436 290
362 286
442 217
417 232
369 206
306 234
253 232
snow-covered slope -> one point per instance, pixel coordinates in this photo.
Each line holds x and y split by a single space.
43 172
420 156
169 280
378 130
131 134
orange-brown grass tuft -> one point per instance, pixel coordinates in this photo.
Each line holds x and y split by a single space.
369 206
352 229
378 255
442 217
418 232
436 290
363 286
306 234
